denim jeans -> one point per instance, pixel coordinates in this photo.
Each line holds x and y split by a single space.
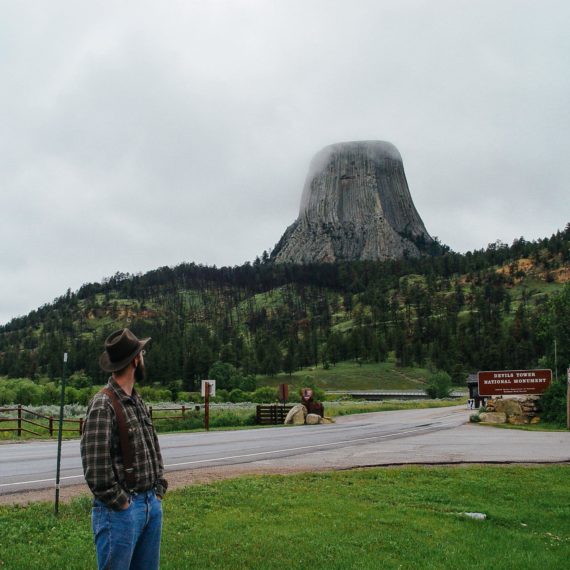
128 539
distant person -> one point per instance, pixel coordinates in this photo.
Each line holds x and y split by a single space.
122 462
313 407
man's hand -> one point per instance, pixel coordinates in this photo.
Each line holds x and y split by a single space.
125 506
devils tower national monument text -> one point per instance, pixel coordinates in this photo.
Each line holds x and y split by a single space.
356 205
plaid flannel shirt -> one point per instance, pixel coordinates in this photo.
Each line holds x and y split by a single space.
101 452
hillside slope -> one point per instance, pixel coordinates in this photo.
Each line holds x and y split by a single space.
500 307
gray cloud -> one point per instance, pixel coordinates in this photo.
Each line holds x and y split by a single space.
139 134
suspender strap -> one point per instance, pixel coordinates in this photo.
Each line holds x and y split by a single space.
126 448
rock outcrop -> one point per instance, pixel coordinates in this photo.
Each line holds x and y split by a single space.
518 410
356 205
296 415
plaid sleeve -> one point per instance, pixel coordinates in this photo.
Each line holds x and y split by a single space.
96 454
161 484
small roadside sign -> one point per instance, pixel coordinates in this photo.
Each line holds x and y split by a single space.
283 392
212 384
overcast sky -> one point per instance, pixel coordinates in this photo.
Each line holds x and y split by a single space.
140 134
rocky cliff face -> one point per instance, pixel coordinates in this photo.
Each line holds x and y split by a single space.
356 205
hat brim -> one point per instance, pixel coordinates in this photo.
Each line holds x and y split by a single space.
108 366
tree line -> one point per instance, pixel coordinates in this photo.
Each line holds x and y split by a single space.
453 312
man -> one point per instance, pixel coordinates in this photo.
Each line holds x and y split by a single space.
313 407
122 462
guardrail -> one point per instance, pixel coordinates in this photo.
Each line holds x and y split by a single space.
375 395
51 428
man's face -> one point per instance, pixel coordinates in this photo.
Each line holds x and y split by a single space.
307 394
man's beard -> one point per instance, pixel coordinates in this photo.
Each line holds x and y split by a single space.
139 372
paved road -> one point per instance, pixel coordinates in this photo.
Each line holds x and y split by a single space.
439 435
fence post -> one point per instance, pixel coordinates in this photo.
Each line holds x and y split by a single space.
80 426
150 411
183 410
19 420
51 426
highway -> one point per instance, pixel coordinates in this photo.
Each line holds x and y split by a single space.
437 435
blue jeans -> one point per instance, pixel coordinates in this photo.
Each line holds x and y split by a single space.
128 539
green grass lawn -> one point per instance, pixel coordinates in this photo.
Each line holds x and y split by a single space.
376 518
352 376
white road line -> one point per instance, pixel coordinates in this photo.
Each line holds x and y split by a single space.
245 455
41 480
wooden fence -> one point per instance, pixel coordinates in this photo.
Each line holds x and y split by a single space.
51 423
22 423
181 409
271 414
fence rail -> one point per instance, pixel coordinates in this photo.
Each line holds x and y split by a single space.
51 428
271 414
181 409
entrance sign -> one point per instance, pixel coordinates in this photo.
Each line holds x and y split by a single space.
506 382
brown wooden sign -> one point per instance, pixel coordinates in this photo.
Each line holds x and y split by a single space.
283 392
505 382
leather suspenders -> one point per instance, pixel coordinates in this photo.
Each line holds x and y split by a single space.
126 448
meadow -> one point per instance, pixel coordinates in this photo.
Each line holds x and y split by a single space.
377 518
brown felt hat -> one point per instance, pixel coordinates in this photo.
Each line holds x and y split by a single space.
120 348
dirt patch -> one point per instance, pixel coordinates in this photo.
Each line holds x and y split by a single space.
176 480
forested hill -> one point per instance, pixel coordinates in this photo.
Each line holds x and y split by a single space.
501 307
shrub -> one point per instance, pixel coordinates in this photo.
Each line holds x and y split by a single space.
71 395
246 383
7 396
237 395
221 396
264 395
151 394
439 385
553 404
28 393
184 397
51 394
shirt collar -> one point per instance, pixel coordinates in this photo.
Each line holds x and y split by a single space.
123 396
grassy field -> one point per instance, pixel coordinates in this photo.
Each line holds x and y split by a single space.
352 376
377 518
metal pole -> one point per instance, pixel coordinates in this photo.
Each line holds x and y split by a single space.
61 404
555 361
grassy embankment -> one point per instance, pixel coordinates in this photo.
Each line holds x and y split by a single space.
377 518
353 376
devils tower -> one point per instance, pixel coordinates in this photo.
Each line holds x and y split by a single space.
356 205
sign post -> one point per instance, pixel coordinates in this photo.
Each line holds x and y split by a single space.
283 393
568 400
207 407
61 405
208 389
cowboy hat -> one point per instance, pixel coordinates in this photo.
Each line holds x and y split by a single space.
120 348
